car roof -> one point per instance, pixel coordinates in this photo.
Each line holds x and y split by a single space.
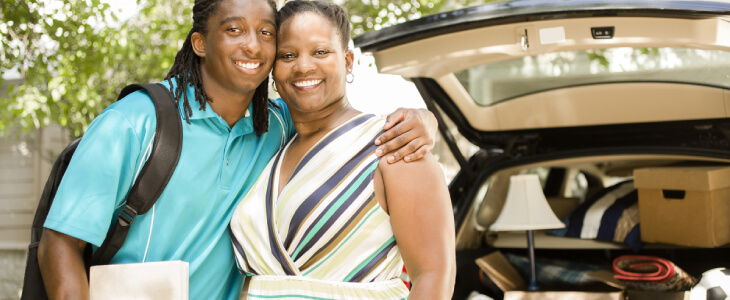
506 12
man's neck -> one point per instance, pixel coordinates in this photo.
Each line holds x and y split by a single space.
228 104
229 108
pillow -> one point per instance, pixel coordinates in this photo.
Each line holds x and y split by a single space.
611 215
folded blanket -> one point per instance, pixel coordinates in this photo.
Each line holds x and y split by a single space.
651 273
612 215
554 273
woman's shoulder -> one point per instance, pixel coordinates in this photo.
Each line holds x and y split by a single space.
426 166
372 123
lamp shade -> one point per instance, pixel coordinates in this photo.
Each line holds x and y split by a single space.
525 207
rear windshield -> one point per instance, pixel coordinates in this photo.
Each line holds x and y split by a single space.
494 82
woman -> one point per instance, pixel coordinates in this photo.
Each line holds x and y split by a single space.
339 222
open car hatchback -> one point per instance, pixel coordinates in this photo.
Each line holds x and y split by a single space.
582 93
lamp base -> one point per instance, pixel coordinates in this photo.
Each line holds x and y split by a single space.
531 251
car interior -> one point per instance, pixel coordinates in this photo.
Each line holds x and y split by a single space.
568 183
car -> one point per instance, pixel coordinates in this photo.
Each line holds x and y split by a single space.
587 95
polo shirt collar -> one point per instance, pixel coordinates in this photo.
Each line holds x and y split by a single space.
195 106
244 126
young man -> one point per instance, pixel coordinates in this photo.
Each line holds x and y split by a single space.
230 131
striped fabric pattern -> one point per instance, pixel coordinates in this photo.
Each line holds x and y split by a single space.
611 215
326 226
299 287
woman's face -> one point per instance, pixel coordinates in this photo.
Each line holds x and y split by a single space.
239 48
311 63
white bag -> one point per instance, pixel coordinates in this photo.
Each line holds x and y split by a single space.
151 280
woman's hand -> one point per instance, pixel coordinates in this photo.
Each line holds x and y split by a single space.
410 134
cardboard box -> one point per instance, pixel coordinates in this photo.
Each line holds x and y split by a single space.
648 295
687 206
505 276
161 280
561 295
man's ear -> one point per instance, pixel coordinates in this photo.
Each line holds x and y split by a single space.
197 40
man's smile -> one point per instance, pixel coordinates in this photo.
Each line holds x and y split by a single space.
248 65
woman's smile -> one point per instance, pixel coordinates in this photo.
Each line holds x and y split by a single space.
307 84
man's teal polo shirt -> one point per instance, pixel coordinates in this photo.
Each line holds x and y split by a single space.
189 222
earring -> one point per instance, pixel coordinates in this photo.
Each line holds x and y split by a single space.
350 79
273 86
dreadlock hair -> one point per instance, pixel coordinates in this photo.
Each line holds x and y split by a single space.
186 70
333 12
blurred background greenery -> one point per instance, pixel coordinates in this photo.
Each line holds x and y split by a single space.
64 61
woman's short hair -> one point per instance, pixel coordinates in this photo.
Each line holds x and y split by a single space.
333 12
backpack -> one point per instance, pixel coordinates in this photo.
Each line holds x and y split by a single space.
145 190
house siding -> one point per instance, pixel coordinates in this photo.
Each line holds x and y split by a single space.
18 168
25 162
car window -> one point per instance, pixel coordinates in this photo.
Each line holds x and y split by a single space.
579 186
541 172
443 153
491 83
576 183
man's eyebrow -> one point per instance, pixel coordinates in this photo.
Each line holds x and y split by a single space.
226 20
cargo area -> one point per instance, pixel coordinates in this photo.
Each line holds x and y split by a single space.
670 207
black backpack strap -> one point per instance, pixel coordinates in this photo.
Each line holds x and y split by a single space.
156 172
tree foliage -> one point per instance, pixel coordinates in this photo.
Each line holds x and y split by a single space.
367 15
44 43
75 55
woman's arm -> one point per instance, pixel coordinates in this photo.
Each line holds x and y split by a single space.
417 199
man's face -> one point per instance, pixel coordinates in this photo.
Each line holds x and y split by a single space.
238 50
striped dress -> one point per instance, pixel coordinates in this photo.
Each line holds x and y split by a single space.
325 236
